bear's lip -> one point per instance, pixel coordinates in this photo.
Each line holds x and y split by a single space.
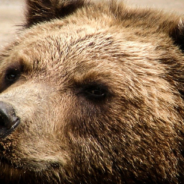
4 132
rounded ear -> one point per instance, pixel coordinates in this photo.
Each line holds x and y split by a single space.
177 33
45 10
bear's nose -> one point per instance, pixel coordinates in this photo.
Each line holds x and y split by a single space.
8 119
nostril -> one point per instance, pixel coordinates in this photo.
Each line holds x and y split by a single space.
2 121
8 119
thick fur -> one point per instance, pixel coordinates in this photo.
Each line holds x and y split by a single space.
99 93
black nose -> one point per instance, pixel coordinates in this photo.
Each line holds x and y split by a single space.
8 119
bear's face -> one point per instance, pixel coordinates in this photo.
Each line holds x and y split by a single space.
92 97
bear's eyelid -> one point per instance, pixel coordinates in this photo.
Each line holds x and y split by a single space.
14 66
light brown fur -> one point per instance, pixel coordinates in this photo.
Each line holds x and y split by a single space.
70 50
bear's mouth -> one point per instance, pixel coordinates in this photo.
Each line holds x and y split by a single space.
7 164
5 131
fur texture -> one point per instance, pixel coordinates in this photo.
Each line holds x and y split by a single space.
99 92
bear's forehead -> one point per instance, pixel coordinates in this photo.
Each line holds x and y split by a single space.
55 42
83 50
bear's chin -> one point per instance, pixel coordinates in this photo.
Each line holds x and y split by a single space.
11 173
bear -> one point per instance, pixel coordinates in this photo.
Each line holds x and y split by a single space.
92 92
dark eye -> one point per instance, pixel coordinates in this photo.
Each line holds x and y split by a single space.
96 92
12 75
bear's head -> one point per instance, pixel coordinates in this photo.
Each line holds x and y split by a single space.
92 93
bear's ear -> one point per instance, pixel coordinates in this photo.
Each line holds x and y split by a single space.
177 34
45 10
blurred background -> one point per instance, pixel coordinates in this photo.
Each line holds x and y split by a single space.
12 14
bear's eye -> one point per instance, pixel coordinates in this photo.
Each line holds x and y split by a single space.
95 92
12 75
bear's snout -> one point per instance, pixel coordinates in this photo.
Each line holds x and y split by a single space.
8 119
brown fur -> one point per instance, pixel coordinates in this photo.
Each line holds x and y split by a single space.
99 92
